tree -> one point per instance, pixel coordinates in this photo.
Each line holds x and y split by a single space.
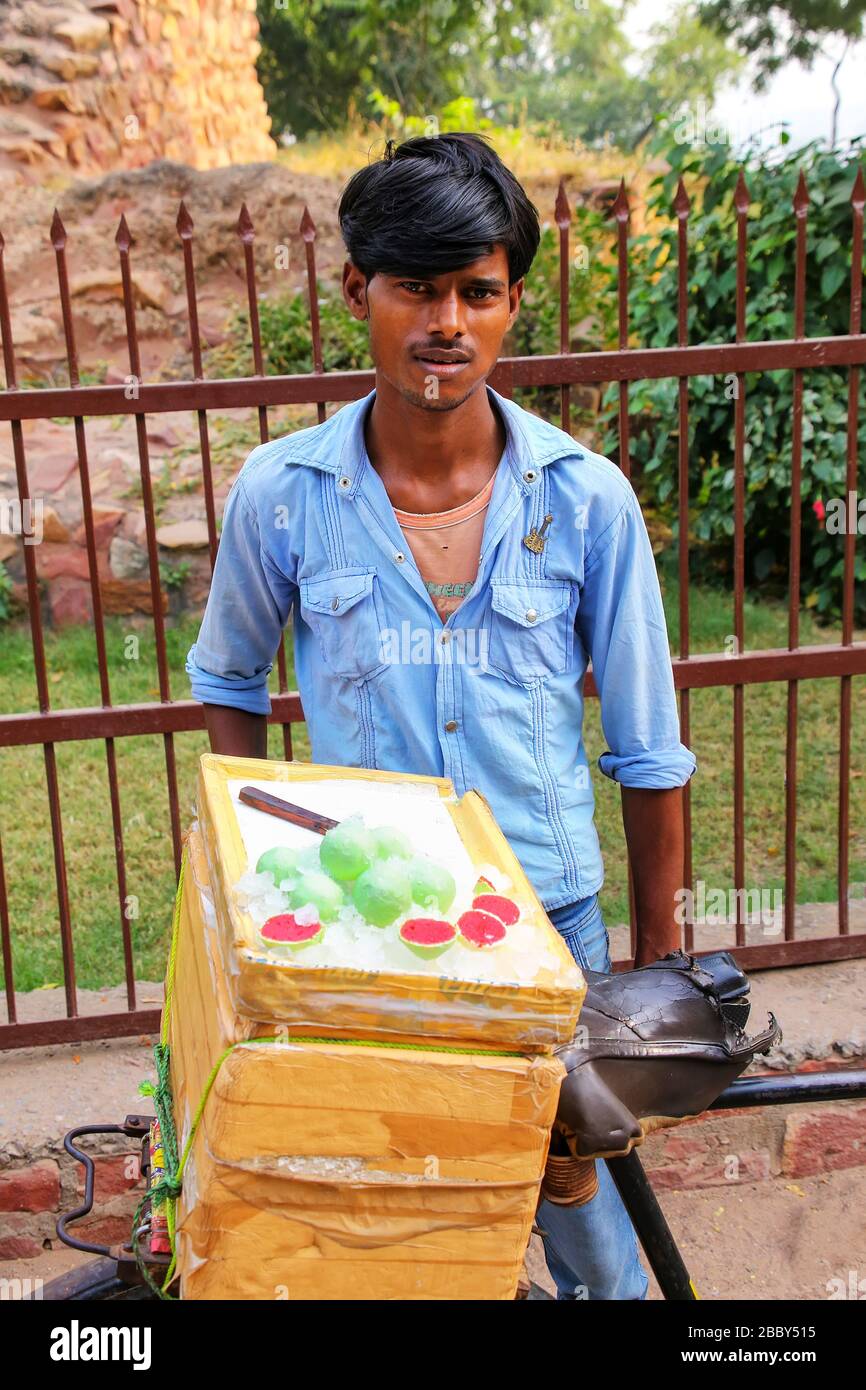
305 67
788 30
583 72
783 30
567 63
321 58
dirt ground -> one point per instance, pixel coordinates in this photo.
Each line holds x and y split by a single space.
768 1240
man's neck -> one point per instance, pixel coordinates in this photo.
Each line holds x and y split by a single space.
432 460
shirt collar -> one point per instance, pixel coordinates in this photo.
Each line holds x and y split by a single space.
337 445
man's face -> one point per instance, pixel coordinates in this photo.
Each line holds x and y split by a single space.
436 340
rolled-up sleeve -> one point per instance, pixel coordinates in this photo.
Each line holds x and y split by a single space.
246 612
621 622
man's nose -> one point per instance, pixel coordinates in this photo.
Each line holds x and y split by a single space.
447 315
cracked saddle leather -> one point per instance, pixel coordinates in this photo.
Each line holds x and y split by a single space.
652 1047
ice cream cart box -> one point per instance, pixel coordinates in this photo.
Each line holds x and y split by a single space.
410 918
327 1169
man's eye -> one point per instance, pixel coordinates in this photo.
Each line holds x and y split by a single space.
480 290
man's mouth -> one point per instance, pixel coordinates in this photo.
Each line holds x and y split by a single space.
442 361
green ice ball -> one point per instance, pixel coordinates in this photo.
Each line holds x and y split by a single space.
390 843
382 893
279 861
346 851
320 890
432 884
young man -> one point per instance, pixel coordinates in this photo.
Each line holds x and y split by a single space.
452 563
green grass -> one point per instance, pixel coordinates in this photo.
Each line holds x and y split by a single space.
95 910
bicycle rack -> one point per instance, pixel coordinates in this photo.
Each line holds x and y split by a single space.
133 1127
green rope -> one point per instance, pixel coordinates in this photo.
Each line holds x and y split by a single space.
168 1189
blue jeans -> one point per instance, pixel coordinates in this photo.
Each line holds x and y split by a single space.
592 1251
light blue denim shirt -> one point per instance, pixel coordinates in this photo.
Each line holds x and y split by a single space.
493 698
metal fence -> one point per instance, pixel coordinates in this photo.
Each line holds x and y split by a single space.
839 661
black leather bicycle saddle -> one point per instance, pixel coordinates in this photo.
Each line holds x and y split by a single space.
652 1047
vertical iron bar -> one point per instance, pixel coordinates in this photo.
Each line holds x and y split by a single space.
246 231
307 231
25 501
6 939
185 226
123 239
682 207
801 204
741 203
58 240
621 214
562 217
858 199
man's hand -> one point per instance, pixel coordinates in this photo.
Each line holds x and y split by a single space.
236 733
653 822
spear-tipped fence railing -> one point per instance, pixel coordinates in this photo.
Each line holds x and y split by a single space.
166 716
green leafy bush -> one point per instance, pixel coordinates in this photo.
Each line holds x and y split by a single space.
287 340
174 576
710 175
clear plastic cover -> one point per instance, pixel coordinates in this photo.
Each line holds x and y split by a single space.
410 917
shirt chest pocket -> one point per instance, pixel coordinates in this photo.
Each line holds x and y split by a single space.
342 608
531 628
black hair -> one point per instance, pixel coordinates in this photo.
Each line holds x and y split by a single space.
435 204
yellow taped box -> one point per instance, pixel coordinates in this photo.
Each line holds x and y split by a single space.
339 1171
391 1004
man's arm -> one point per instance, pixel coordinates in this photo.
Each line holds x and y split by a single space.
621 621
236 733
653 822
246 612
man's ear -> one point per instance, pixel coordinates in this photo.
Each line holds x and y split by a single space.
355 291
515 294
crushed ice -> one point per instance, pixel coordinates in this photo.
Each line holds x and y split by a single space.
351 941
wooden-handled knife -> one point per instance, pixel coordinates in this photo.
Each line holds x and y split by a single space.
286 810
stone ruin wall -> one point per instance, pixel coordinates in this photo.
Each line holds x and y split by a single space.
88 86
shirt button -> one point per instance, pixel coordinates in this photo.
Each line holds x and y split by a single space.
446 637
399 557
451 726
345 482
531 615
335 603
530 475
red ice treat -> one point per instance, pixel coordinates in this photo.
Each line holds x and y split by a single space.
428 937
481 929
483 886
284 930
504 908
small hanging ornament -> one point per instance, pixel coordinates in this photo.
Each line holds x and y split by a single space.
536 539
